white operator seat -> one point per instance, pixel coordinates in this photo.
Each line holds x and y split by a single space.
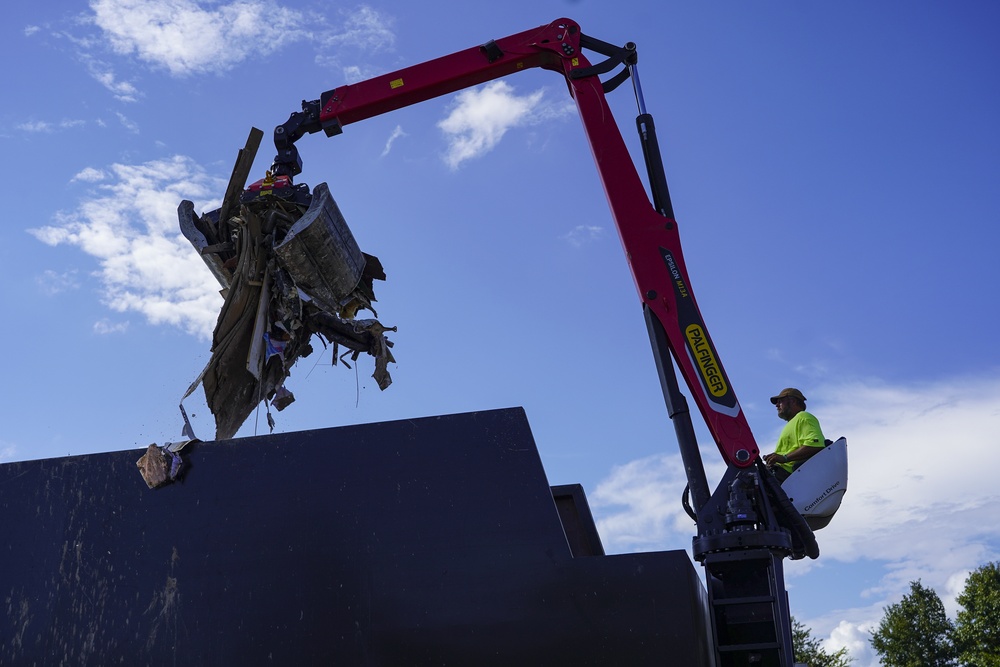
817 487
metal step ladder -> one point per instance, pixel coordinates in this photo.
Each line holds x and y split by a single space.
749 608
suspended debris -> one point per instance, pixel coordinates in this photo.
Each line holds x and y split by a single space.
289 268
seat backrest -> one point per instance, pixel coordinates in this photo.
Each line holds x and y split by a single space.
817 487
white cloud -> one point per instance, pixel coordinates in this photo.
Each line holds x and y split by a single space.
352 73
52 283
480 117
128 123
951 589
8 452
105 326
366 29
913 473
917 496
41 126
146 265
186 38
123 91
31 30
855 638
639 503
650 490
920 504
35 126
190 37
89 175
583 234
397 132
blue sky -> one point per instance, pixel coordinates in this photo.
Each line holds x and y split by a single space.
834 170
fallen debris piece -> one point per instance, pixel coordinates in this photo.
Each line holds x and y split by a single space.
289 268
153 467
162 465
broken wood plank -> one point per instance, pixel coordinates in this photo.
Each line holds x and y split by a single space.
238 180
229 246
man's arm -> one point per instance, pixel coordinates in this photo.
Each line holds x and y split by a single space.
795 456
801 454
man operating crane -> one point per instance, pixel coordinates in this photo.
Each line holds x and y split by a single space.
801 438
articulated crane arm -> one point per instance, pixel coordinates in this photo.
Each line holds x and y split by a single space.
746 527
648 234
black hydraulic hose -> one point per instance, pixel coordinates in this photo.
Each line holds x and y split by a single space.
686 503
654 165
786 514
677 409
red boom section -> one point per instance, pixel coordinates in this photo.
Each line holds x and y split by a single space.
542 47
650 241
653 250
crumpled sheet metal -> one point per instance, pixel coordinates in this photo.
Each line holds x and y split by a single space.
280 289
320 253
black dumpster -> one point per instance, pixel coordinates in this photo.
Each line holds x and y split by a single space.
432 541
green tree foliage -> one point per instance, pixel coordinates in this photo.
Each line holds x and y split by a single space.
808 650
915 632
977 627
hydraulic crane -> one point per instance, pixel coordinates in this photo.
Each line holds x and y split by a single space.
747 526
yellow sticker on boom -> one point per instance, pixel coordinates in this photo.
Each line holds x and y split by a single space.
396 83
703 356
